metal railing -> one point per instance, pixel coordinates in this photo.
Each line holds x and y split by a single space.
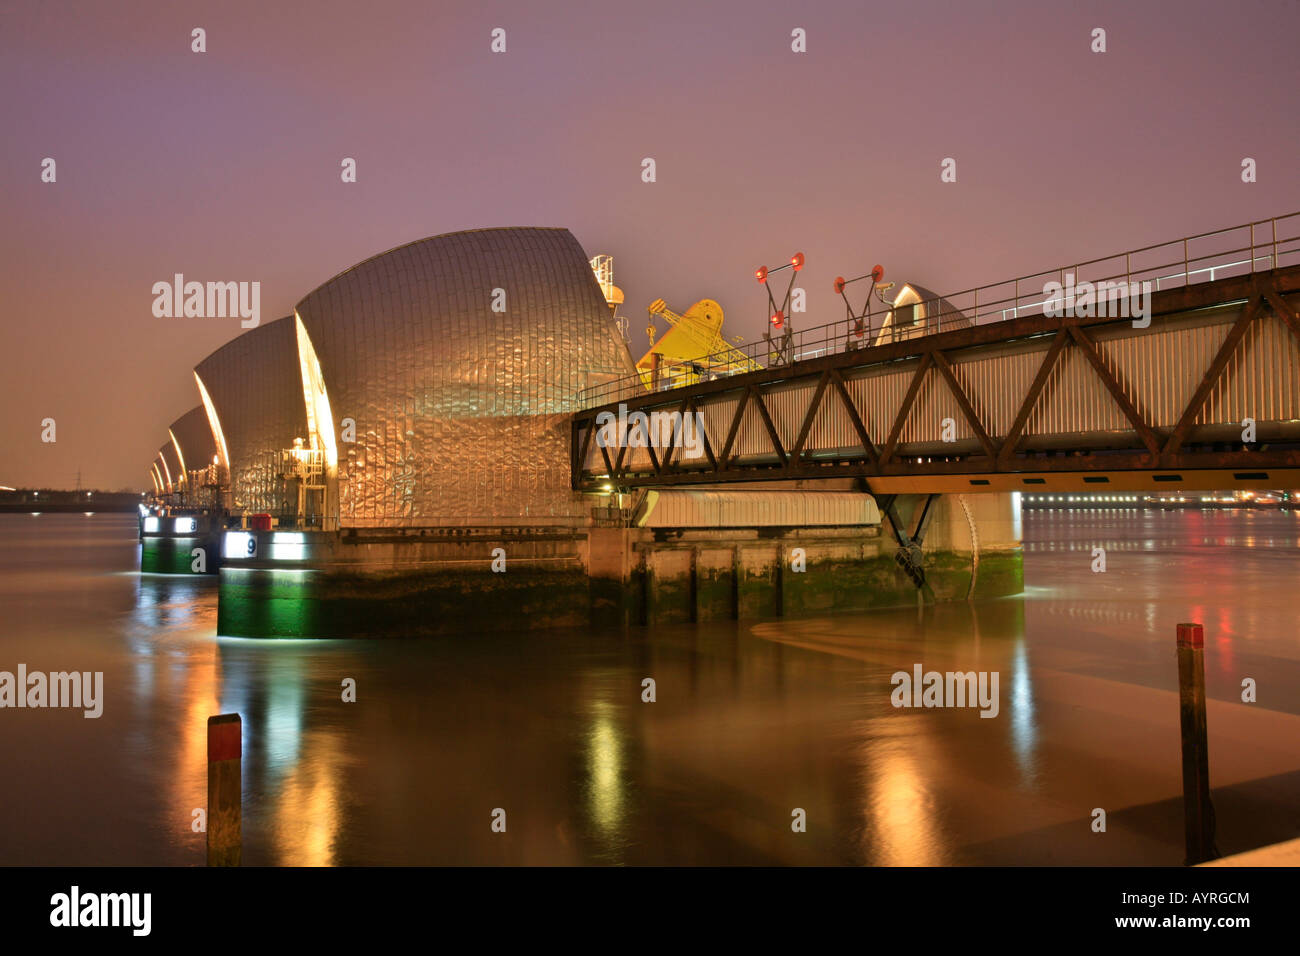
304 464
1252 247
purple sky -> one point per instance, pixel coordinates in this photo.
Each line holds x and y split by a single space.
225 165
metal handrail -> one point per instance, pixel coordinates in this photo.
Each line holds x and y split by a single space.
839 335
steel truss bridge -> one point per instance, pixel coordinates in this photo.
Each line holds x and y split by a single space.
1000 396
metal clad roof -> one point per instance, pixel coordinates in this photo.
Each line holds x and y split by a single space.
172 473
194 435
459 409
256 387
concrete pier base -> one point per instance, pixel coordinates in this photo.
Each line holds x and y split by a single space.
180 544
971 544
414 582
392 584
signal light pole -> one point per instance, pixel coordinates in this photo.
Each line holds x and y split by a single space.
779 318
860 325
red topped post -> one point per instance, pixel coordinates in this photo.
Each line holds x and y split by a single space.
225 810
1198 811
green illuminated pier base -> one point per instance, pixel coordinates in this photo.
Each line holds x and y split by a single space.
418 582
180 544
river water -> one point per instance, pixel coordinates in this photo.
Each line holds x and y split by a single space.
751 723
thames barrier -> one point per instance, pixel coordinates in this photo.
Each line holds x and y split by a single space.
454 435
664 436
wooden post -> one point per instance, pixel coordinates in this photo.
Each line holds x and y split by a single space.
1198 812
225 752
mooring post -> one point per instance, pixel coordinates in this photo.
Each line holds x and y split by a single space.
225 754
1198 812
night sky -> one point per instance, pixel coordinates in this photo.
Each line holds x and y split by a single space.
225 165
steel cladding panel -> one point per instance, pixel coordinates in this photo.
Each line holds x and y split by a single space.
759 509
460 410
195 438
255 383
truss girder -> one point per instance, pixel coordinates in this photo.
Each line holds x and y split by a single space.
1051 395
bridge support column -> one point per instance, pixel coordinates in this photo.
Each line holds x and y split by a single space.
715 576
758 581
615 582
970 544
670 586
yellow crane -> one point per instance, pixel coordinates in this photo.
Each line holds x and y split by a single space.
692 349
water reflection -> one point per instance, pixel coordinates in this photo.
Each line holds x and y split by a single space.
307 811
294 751
750 721
605 784
902 807
1024 728
165 602
913 763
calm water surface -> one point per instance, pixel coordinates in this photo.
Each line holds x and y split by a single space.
751 722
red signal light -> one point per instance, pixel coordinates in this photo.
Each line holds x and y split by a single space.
761 273
796 260
778 320
840 284
877 272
